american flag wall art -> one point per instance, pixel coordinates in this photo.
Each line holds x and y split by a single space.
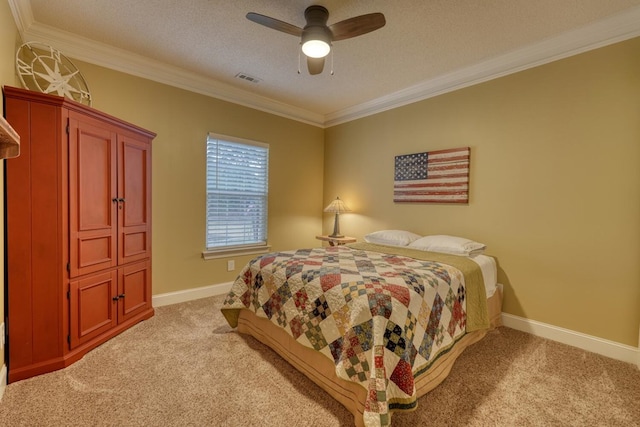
433 177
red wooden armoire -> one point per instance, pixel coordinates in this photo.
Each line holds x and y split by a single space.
78 231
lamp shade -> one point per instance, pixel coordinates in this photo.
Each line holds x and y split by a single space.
337 206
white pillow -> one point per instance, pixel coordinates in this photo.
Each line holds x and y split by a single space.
391 237
448 245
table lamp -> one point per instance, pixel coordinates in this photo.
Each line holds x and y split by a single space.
337 206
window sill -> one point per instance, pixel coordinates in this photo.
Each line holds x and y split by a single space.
234 251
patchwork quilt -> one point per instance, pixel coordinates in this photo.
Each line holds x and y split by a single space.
381 317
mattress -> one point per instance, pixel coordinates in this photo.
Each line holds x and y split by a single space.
489 272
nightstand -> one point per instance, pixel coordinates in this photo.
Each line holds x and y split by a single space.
337 241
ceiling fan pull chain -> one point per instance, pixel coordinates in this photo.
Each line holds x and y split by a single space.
332 62
299 60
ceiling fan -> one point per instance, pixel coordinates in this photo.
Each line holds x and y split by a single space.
316 37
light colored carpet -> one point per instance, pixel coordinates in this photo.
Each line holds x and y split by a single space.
186 367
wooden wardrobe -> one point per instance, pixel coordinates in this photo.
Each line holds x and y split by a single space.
78 231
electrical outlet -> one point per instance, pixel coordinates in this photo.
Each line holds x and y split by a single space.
231 265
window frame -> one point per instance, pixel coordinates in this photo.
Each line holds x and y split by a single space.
216 252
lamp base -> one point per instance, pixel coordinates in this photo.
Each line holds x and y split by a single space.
336 228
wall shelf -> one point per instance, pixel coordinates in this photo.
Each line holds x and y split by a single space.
9 140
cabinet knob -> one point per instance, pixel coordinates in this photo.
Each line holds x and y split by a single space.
117 297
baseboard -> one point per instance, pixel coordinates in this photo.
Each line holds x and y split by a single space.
190 294
612 349
638 355
3 380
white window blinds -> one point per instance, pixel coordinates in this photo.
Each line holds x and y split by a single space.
237 189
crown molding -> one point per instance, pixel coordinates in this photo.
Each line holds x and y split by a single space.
614 29
619 27
22 14
101 54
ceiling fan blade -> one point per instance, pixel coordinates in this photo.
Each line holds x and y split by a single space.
275 24
357 26
315 65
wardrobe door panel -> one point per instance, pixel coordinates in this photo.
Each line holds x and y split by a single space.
93 196
134 290
134 210
93 303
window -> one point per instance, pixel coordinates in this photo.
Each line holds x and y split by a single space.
237 184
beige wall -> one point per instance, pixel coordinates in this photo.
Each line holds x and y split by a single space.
555 184
8 42
554 178
182 120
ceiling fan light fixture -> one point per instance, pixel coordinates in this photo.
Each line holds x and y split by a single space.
317 36
316 48
316 43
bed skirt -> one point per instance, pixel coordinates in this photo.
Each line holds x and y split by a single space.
319 369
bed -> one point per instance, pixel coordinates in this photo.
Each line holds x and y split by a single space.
375 326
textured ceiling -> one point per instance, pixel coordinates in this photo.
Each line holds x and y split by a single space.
423 43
